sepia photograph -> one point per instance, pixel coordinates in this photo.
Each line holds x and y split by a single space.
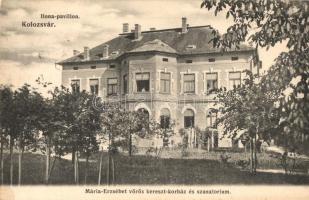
200 99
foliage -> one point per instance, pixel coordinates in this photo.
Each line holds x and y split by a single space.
266 23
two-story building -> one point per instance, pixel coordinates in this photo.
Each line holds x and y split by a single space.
169 74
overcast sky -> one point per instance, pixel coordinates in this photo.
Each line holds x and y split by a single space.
26 53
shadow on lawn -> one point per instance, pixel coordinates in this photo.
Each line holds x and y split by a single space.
148 170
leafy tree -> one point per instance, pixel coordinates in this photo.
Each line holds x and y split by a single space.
250 109
6 118
26 109
266 23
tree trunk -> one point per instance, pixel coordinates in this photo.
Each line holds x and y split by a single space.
52 166
113 168
1 154
130 144
73 155
47 160
76 171
208 143
100 168
255 156
11 159
251 155
20 153
108 169
86 169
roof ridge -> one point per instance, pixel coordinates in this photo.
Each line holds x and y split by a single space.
168 29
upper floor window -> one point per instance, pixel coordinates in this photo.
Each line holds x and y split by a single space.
125 84
189 61
165 59
189 83
112 86
93 67
142 82
75 84
112 66
75 68
165 82
94 86
211 82
234 79
211 119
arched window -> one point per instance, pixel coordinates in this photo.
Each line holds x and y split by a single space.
165 118
145 112
189 118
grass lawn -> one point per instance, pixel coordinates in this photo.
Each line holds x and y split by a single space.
147 170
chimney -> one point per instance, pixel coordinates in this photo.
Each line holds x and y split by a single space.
105 51
86 53
184 27
137 32
152 29
75 52
125 28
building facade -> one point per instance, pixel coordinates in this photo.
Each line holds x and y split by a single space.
170 73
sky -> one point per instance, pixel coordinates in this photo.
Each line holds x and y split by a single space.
27 53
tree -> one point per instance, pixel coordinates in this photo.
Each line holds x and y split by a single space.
27 110
266 23
250 109
6 117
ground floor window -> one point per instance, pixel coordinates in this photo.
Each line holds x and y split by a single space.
94 86
165 118
75 84
112 86
189 118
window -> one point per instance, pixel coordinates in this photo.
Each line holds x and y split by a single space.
165 82
211 120
94 86
112 66
211 60
93 67
189 83
112 86
189 118
125 84
234 79
75 84
234 58
165 59
75 68
165 118
212 82
142 82
189 61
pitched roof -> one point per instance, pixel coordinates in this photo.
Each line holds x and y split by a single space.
172 41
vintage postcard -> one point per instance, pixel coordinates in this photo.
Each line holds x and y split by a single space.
200 99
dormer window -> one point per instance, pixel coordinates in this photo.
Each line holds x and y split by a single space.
191 46
115 53
211 60
75 68
234 58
